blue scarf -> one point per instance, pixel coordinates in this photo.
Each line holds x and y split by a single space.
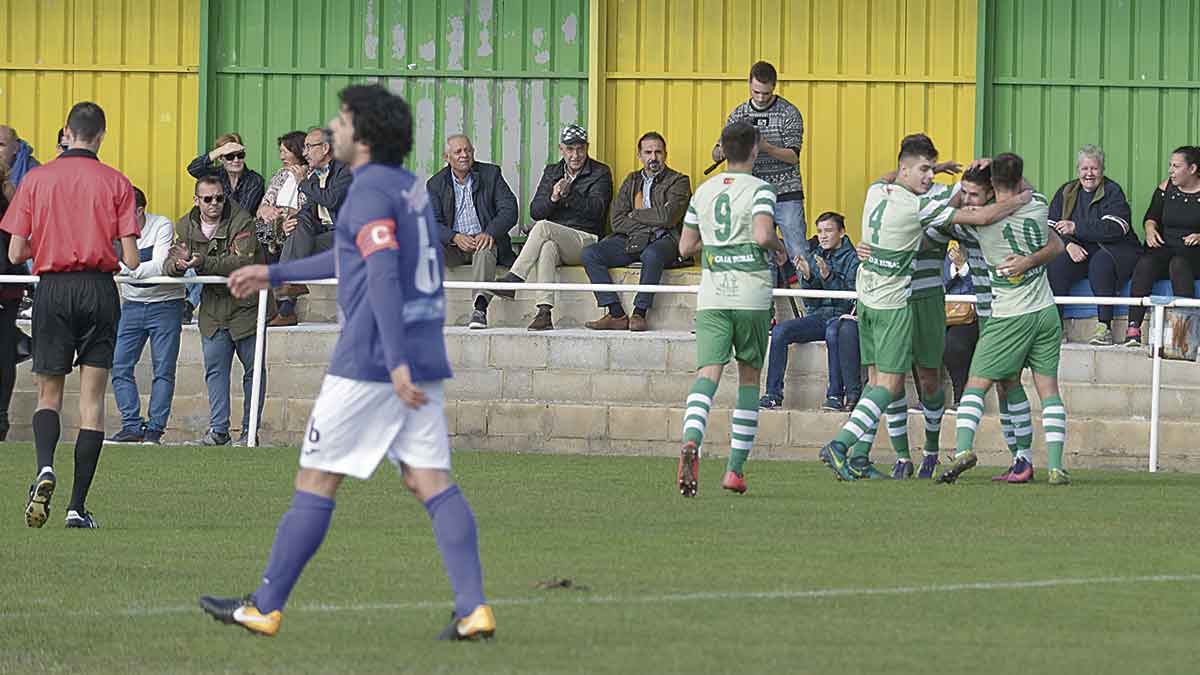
22 163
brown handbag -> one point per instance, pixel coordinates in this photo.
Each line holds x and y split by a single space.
960 313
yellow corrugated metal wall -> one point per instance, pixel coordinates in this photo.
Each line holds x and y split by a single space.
139 59
862 72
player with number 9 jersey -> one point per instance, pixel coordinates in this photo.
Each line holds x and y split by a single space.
734 269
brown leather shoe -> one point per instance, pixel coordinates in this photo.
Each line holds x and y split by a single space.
283 320
542 322
292 291
637 323
608 322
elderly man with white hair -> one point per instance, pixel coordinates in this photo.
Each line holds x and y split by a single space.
1092 215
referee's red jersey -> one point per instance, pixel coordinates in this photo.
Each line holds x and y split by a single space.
71 210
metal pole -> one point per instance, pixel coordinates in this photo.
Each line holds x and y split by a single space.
256 384
1156 330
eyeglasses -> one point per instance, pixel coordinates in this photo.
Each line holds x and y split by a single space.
234 156
308 146
63 147
208 199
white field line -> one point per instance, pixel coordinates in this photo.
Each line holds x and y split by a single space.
567 597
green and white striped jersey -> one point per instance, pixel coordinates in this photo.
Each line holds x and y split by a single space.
1022 233
734 270
931 256
980 278
894 223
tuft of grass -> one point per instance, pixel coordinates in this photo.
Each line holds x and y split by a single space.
597 565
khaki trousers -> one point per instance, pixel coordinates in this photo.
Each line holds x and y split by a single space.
548 247
483 265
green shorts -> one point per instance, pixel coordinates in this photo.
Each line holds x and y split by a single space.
1011 343
725 333
929 330
885 338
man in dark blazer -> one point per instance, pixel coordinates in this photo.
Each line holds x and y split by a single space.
475 209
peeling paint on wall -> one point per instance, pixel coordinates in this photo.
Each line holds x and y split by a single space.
428 51
399 43
481 115
568 110
484 9
454 116
371 39
510 136
423 142
539 131
543 55
570 29
455 39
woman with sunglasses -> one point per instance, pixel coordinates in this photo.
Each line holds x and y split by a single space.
227 162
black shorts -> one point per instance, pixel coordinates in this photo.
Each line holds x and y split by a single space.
75 317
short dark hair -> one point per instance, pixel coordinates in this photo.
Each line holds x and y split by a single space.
835 217
139 197
294 142
382 121
652 136
207 180
979 175
86 121
917 145
1190 153
764 72
738 140
1008 169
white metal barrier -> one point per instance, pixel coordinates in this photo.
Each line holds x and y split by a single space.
1158 305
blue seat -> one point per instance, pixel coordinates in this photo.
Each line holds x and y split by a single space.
1084 289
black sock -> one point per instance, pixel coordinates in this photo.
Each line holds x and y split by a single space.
639 312
87 456
544 309
481 303
616 311
46 430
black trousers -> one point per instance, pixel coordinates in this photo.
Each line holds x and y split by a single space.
304 241
1106 268
1179 263
960 348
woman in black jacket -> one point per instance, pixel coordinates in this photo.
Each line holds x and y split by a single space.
1092 215
1172 237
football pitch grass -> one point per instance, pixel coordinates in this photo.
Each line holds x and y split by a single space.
800 575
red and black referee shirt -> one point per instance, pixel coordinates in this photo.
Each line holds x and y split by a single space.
71 210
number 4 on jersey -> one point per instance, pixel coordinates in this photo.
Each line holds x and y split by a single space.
875 221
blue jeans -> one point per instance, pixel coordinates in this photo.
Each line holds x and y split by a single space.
157 322
845 371
193 290
789 216
599 257
218 365
809 328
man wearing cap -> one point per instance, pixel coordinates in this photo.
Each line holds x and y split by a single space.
570 208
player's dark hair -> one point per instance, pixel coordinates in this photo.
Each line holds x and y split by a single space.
86 121
207 180
1190 154
139 197
917 145
738 140
1008 170
652 136
835 217
979 175
765 73
382 122
294 142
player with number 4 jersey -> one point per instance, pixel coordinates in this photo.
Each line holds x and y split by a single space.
382 396
731 223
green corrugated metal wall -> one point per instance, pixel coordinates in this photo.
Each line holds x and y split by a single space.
509 73
1120 74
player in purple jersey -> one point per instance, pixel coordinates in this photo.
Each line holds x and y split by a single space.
382 395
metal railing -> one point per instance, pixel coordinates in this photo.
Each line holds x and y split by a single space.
1158 305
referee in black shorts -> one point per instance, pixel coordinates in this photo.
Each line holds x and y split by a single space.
67 215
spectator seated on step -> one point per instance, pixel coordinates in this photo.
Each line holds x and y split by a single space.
569 209
646 219
831 264
475 209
